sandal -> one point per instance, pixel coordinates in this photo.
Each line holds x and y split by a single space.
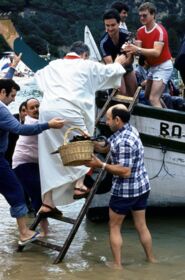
84 193
52 213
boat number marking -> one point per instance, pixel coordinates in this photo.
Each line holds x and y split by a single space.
170 130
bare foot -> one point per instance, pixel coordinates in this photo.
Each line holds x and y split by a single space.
28 234
113 265
152 260
44 226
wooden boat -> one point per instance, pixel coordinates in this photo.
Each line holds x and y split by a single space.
162 132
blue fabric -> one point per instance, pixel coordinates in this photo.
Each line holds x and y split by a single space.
127 150
11 189
123 206
108 48
10 73
9 124
142 98
29 176
19 211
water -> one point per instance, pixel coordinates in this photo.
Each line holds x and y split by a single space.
90 249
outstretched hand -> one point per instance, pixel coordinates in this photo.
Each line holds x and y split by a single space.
16 60
124 59
56 123
129 48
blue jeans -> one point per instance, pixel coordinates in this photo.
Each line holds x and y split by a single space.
29 177
11 189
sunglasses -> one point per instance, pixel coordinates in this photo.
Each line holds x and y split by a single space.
143 15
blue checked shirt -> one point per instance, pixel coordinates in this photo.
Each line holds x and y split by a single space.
127 150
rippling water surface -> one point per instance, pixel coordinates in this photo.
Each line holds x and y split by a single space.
90 249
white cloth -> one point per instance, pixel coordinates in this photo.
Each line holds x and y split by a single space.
26 148
123 25
69 87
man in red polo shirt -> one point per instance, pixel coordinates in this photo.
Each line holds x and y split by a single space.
152 42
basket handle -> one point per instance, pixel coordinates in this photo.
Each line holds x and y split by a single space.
66 135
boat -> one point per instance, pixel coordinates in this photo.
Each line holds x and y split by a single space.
162 132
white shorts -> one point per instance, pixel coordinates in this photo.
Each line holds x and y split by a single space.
162 72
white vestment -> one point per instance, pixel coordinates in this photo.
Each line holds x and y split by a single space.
69 87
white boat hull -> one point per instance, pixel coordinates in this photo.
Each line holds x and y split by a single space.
167 177
163 135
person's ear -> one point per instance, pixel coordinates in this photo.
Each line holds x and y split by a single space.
117 118
3 91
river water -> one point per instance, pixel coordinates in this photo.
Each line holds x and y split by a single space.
90 249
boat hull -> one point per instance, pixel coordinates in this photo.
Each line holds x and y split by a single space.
162 132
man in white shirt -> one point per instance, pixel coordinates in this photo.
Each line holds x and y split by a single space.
25 161
69 87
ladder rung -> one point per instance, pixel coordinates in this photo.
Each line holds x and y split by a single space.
123 98
63 219
47 245
67 220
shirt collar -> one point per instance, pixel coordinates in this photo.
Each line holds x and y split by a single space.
3 103
72 55
125 126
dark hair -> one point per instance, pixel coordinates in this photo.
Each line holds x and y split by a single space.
142 60
8 85
111 14
79 47
148 6
26 102
120 6
23 104
121 113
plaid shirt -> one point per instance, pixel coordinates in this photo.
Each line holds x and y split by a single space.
127 150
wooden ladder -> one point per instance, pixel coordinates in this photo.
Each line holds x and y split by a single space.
75 222
62 250
130 102
114 98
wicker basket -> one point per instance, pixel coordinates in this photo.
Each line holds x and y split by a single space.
75 153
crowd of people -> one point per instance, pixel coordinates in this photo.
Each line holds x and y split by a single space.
69 86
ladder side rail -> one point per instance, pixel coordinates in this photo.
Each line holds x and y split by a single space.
81 215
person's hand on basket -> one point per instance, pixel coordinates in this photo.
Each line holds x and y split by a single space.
95 162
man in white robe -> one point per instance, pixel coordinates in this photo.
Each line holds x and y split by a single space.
69 87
